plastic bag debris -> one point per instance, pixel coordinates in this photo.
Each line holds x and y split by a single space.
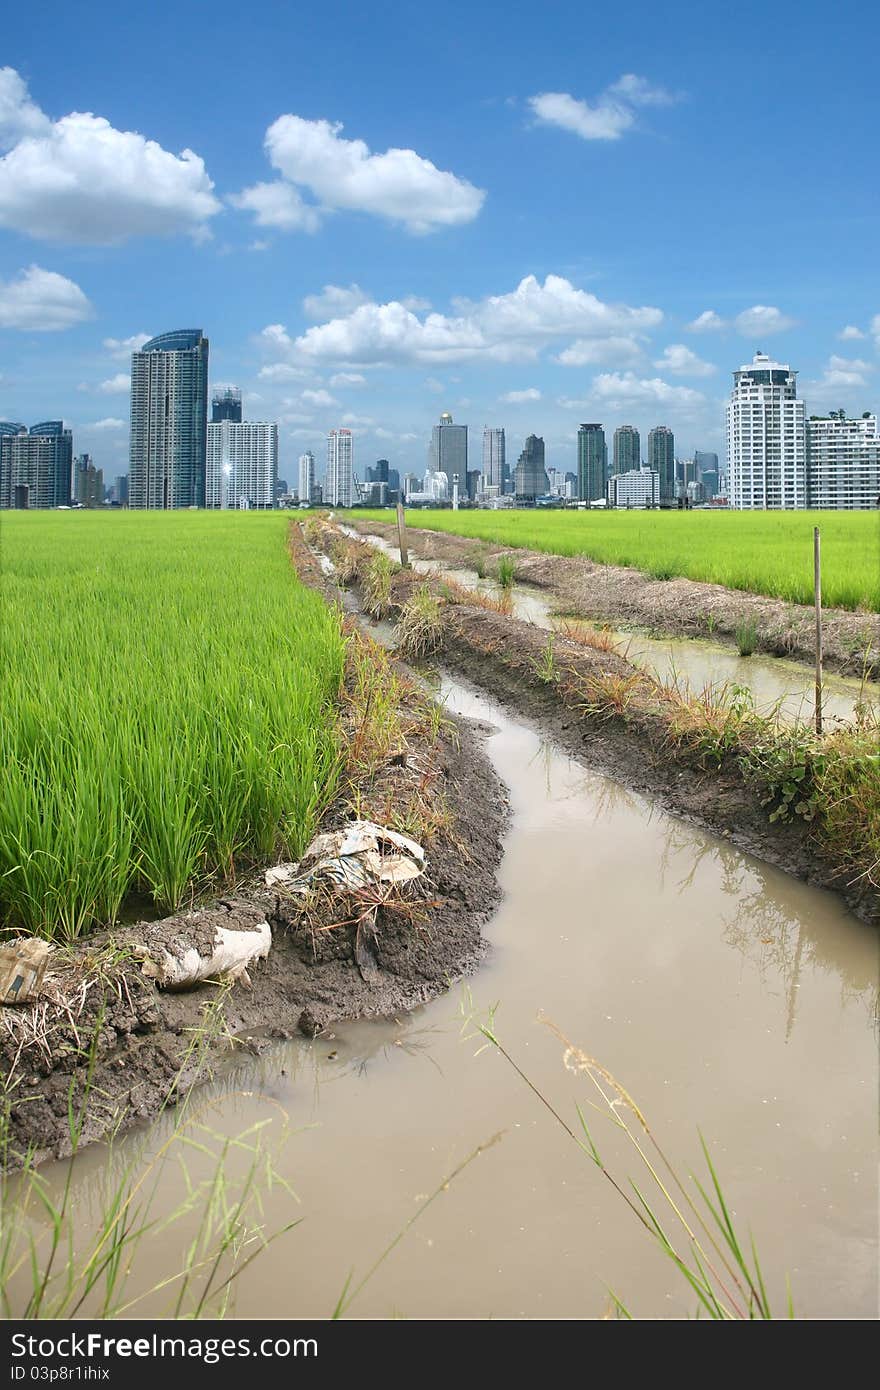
22 967
181 964
361 854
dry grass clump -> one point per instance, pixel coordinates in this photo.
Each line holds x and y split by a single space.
420 626
376 576
599 639
457 592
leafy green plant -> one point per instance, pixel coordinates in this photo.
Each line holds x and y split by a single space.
746 634
784 768
506 571
545 667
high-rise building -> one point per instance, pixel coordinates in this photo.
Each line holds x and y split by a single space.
36 465
226 405
449 450
661 458
241 467
339 486
592 474
121 489
306 490
766 438
627 449
379 473
88 482
494 458
843 462
639 487
531 480
169 408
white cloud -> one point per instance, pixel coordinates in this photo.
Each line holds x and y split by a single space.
79 179
335 300
845 372
19 116
124 347
679 360
258 246
503 328
115 384
320 397
416 303
344 175
875 328
531 393
434 386
609 116
42 301
348 379
707 322
275 336
586 353
850 332
107 424
282 371
363 421
627 388
277 205
762 319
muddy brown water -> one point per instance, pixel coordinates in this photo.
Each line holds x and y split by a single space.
772 681
721 992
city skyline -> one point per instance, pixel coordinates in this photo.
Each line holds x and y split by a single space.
353 298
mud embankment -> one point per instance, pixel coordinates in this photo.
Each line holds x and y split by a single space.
675 607
104 1036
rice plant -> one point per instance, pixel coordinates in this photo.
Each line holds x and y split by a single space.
168 695
746 636
760 552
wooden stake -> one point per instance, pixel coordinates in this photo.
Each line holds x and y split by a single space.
401 536
817 594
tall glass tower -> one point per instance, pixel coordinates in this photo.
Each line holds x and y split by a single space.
169 413
494 458
449 450
627 449
531 478
592 463
661 459
226 405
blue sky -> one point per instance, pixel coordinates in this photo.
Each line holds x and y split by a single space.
590 213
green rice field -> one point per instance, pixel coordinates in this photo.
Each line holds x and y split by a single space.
168 691
761 552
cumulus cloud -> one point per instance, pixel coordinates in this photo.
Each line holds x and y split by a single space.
124 347
79 179
850 332
319 397
334 300
282 371
502 328
361 421
115 385
607 118
531 393
586 353
875 328
109 423
707 322
344 175
348 379
679 360
762 319
275 336
845 372
42 301
627 388
277 205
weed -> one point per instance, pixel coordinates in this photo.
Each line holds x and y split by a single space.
506 571
545 667
746 634
420 627
376 584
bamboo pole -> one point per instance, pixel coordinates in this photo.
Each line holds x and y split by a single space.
401 536
817 595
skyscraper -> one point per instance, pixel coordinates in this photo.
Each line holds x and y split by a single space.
592 474
241 464
843 462
661 459
306 490
38 463
339 488
88 482
627 449
169 407
766 438
226 405
531 479
494 458
449 450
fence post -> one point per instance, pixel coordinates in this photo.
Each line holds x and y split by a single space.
817 596
401 536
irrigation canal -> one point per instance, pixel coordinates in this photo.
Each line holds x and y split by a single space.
723 994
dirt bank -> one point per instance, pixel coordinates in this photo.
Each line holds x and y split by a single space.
101 1028
677 607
